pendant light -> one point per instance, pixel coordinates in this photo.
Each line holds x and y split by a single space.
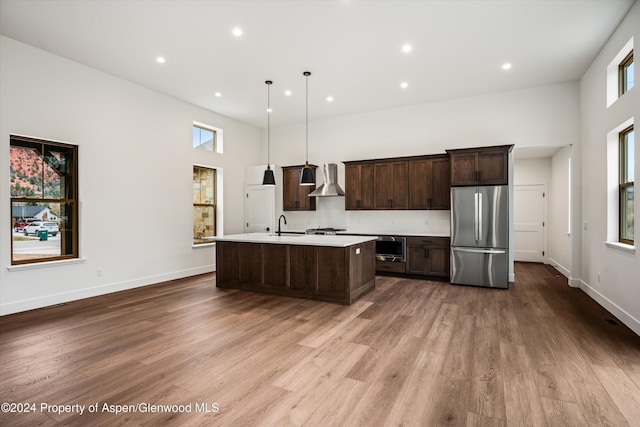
268 178
306 176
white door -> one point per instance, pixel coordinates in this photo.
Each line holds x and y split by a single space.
259 208
528 222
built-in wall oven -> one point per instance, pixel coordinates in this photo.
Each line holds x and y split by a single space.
391 249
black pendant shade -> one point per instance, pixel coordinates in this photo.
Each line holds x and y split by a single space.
268 178
306 176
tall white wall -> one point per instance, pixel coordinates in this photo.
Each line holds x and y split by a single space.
559 201
135 176
618 287
541 116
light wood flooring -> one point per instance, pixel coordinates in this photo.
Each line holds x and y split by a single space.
410 353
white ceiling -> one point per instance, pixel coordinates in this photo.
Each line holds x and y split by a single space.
352 48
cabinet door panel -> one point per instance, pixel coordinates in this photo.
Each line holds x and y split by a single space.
291 182
366 186
463 169
250 261
417 259
492 167
440 184
303 268
383 185
400 186
275 266
227 268
331 272
352 186
439 262
419 183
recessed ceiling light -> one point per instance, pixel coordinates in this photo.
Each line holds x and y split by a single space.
404 85
237 32
160 60
329 98
218 94
506 66
287 92
407 48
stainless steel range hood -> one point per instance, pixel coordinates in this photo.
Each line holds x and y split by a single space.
330 186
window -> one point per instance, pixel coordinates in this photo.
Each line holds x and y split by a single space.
204 205
625 74
44 195
626 151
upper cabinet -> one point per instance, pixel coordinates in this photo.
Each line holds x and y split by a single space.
358 185
295 197
391 185
429 183
480 166
418 182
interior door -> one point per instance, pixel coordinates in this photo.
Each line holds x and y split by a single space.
528 229
259 209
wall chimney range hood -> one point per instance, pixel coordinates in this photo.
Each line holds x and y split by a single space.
330 186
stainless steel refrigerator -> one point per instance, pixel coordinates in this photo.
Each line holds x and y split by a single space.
480 236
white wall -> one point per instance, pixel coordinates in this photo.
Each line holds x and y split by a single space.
135 191
618 288
559 199
542 116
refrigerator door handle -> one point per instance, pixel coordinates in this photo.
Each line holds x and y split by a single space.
479 216
475 216
480 251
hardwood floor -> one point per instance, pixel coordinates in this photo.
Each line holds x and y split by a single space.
410 353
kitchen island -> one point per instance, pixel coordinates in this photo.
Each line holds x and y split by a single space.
327 268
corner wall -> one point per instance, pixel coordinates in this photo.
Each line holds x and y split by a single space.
135 176
608 275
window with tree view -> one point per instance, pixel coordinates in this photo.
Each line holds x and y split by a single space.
627 171
204 204
44 192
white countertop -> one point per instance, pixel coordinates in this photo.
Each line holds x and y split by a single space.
298 239
368 232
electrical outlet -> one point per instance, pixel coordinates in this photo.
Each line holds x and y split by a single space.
585 226
99 272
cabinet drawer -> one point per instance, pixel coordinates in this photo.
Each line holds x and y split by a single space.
391 267
427 241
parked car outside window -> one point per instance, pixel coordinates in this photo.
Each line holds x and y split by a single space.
34 227
23 223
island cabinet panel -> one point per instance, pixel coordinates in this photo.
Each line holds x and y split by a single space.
334 274
428 256
227 255
275 266
250 263
391 185
359 186
303 268
295 197
480 166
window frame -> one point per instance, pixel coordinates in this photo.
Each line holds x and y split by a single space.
624 185
72 188
213 205
214 147
622 73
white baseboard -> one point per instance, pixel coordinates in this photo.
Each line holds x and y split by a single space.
613 308
48 300
561 268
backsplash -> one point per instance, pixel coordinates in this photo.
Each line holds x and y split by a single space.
330 212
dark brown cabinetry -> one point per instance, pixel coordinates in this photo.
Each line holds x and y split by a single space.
359 186
429 183
428 256
391 185
334 274
480 166
295 197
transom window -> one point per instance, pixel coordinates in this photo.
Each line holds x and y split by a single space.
44 195
204 138
625 73
627 171
204 205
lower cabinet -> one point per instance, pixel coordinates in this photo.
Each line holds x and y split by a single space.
333 274
428 256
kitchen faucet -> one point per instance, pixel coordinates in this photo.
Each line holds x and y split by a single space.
285 223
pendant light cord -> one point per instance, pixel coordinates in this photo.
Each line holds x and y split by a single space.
268 124
306 118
